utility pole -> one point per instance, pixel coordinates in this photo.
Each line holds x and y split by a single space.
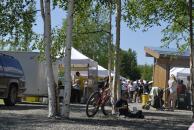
191 53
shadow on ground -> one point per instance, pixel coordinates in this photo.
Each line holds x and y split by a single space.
23 107
142 124
171 115
23 120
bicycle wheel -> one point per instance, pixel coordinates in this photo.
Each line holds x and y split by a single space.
92 104
106 107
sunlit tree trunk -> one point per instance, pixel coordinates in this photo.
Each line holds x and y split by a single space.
113 89
45 11
67 64
191 54
116 79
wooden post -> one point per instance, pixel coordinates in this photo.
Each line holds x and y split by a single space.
166 84
153 69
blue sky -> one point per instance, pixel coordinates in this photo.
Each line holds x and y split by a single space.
129 39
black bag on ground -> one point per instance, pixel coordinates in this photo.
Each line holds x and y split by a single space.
138 114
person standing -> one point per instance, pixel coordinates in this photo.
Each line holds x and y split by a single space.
124 87
136 86
172 86
146 88
140 90
131 90
76 92
181 88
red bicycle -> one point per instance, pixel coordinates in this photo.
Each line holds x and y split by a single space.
99 99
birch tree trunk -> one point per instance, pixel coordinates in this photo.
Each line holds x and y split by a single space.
191 54
116 80
45 11
113 89
67 64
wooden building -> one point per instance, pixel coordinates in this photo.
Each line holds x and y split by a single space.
164 60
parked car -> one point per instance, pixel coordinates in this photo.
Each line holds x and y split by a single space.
12 80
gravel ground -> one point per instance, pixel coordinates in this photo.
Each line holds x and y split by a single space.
34 117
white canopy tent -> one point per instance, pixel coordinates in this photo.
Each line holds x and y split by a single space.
176 71
184 72
79 60
86 67
102 72
181 73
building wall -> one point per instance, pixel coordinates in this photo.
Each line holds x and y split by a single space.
162 70
161 75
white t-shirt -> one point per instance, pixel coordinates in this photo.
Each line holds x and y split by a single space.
131 87
124 87
172 86
76 82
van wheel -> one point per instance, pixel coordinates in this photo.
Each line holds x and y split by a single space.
11 100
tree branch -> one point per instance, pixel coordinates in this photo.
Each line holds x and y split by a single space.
97 31
33 11
176 21
42 9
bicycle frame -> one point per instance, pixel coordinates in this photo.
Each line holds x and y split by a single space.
104 96
98 100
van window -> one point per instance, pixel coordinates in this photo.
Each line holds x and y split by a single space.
17 65
1 65
8 61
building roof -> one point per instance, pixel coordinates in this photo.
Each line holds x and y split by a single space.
158 52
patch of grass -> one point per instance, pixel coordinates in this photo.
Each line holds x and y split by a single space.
1 101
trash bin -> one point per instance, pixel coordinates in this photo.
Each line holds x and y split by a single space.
182 101
188 99
145 98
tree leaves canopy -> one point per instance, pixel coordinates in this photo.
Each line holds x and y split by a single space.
128 65
145 14
16 20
